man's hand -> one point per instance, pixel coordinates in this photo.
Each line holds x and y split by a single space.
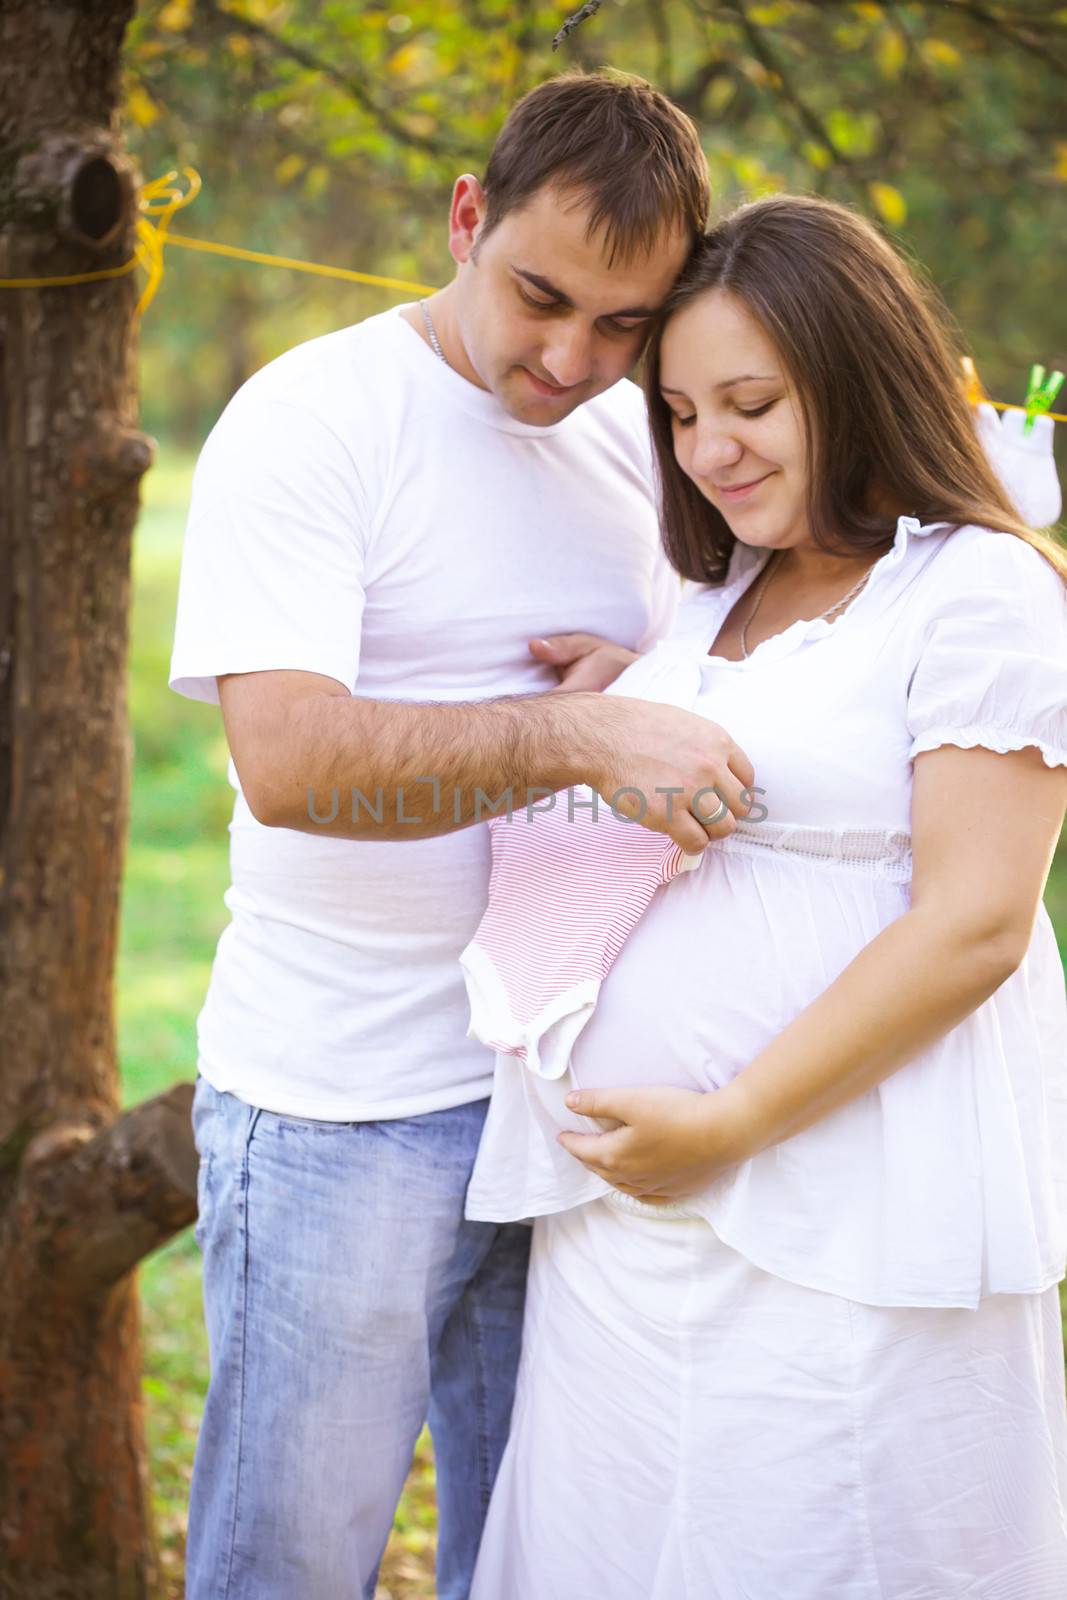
661 766
654 748
672 1142
583 660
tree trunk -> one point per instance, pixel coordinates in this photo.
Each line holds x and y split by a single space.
84 1192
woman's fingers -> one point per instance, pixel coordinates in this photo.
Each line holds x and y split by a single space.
593 673
636 1192
563 648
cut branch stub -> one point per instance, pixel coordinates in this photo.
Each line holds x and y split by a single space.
97 200
81 189
91 1204
109 456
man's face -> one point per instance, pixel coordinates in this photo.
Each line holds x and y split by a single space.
545 322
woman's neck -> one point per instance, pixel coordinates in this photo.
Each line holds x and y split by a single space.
809 567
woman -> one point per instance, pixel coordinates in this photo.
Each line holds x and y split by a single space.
792 1330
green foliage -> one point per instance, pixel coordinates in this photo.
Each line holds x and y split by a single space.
333 131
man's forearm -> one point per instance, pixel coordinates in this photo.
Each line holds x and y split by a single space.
394 769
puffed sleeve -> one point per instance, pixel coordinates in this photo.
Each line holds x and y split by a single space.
990 663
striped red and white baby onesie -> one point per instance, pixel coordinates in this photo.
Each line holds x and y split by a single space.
567 886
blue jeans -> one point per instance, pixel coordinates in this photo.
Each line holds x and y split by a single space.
347 1301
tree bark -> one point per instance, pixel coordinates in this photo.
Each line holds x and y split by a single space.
85 1193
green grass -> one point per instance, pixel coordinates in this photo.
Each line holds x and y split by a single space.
176 873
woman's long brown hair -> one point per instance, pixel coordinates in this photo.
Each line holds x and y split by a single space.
868 347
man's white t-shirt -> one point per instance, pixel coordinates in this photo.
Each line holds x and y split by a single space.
360 510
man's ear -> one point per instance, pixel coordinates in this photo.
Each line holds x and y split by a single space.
465 217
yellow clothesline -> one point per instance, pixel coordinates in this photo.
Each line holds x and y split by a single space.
976 395
240 254
160 200
211 248
1005 405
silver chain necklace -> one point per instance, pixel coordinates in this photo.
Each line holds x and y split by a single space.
434 341
762 584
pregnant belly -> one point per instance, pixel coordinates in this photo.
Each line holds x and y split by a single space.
722 961
657 1022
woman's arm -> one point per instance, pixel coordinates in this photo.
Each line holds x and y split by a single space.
984 829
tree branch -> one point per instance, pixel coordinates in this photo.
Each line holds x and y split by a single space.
767 59
344 80
689 97
1020 29
1014 30
661 30
90 1205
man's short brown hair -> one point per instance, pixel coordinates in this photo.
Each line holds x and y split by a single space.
616 142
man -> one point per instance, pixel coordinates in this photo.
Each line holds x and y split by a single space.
383 521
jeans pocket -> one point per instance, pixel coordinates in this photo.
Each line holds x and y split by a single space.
203 1190
205 1118
311 1125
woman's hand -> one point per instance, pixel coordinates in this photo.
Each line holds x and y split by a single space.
984 829
583 661
672 1142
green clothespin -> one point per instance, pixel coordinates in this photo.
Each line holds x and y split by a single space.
1041 394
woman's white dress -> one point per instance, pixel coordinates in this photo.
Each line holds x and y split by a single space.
850 1384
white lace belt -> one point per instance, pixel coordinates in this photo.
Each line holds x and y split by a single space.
884 852
669 1211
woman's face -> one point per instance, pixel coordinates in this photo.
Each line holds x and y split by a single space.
738 428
